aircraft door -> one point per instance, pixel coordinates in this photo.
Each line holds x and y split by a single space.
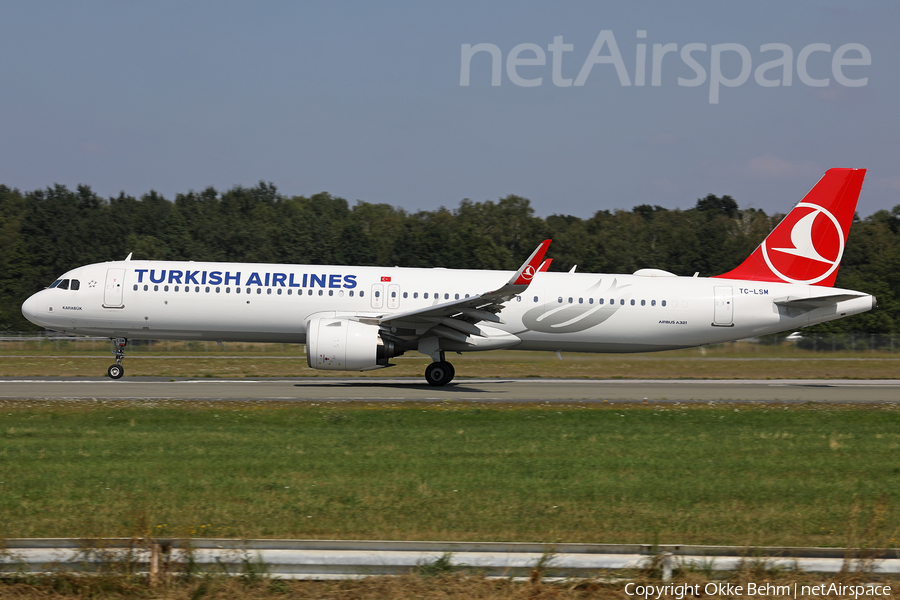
393 296
115 285
377 295
723 315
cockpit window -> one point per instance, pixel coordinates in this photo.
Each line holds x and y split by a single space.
54 284
64 284
75 285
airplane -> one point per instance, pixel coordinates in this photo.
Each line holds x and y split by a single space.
359 318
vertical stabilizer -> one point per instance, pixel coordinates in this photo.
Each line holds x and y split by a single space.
807 246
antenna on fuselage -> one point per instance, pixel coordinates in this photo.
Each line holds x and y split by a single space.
129 256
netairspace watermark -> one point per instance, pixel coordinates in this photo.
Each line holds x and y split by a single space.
704 61
795 590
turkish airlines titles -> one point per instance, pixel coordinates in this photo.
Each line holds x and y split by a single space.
188 277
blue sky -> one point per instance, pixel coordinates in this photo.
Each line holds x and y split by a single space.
363 100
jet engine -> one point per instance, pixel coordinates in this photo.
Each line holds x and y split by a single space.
339 344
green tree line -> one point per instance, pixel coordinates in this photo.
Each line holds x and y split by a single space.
44 233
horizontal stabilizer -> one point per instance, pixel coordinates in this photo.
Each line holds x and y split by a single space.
813 302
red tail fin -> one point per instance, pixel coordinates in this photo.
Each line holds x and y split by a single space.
807 246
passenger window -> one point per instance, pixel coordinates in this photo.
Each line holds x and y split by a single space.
269 291
259 290
331 292
290 291
560 299
535 299
446 296
643 303
340 293
321 292
393 294
145 287
415 294
197 289
310 293
663 302
426 295
176 288
581 301
362 293
570 300
75 285
135 287
166 289
351 293
622 302
228 290
377 294
155 288
279 291
457 298
405 294
653 303
600 301
590 300
64 284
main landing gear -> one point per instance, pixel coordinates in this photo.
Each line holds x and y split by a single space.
439 373
117 370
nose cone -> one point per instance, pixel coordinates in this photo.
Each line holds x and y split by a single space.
30 309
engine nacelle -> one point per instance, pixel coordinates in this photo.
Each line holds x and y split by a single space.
337 344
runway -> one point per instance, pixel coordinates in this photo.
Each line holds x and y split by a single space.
321 389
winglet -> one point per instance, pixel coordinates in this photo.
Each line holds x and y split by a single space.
528 269
546 266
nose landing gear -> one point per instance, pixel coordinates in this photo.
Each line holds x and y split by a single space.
117 370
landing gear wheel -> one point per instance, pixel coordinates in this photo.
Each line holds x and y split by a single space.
117 370
439 373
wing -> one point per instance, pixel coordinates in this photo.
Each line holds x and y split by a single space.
457 320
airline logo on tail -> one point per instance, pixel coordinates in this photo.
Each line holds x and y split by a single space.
815 237
807 246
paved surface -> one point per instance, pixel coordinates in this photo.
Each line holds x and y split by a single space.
479 390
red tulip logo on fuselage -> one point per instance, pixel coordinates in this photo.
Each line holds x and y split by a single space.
810 250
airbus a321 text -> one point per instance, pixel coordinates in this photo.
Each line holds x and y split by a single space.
359 318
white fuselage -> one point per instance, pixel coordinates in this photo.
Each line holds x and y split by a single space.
580 312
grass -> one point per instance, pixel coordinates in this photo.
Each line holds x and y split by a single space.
441 587
739 360
750 475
